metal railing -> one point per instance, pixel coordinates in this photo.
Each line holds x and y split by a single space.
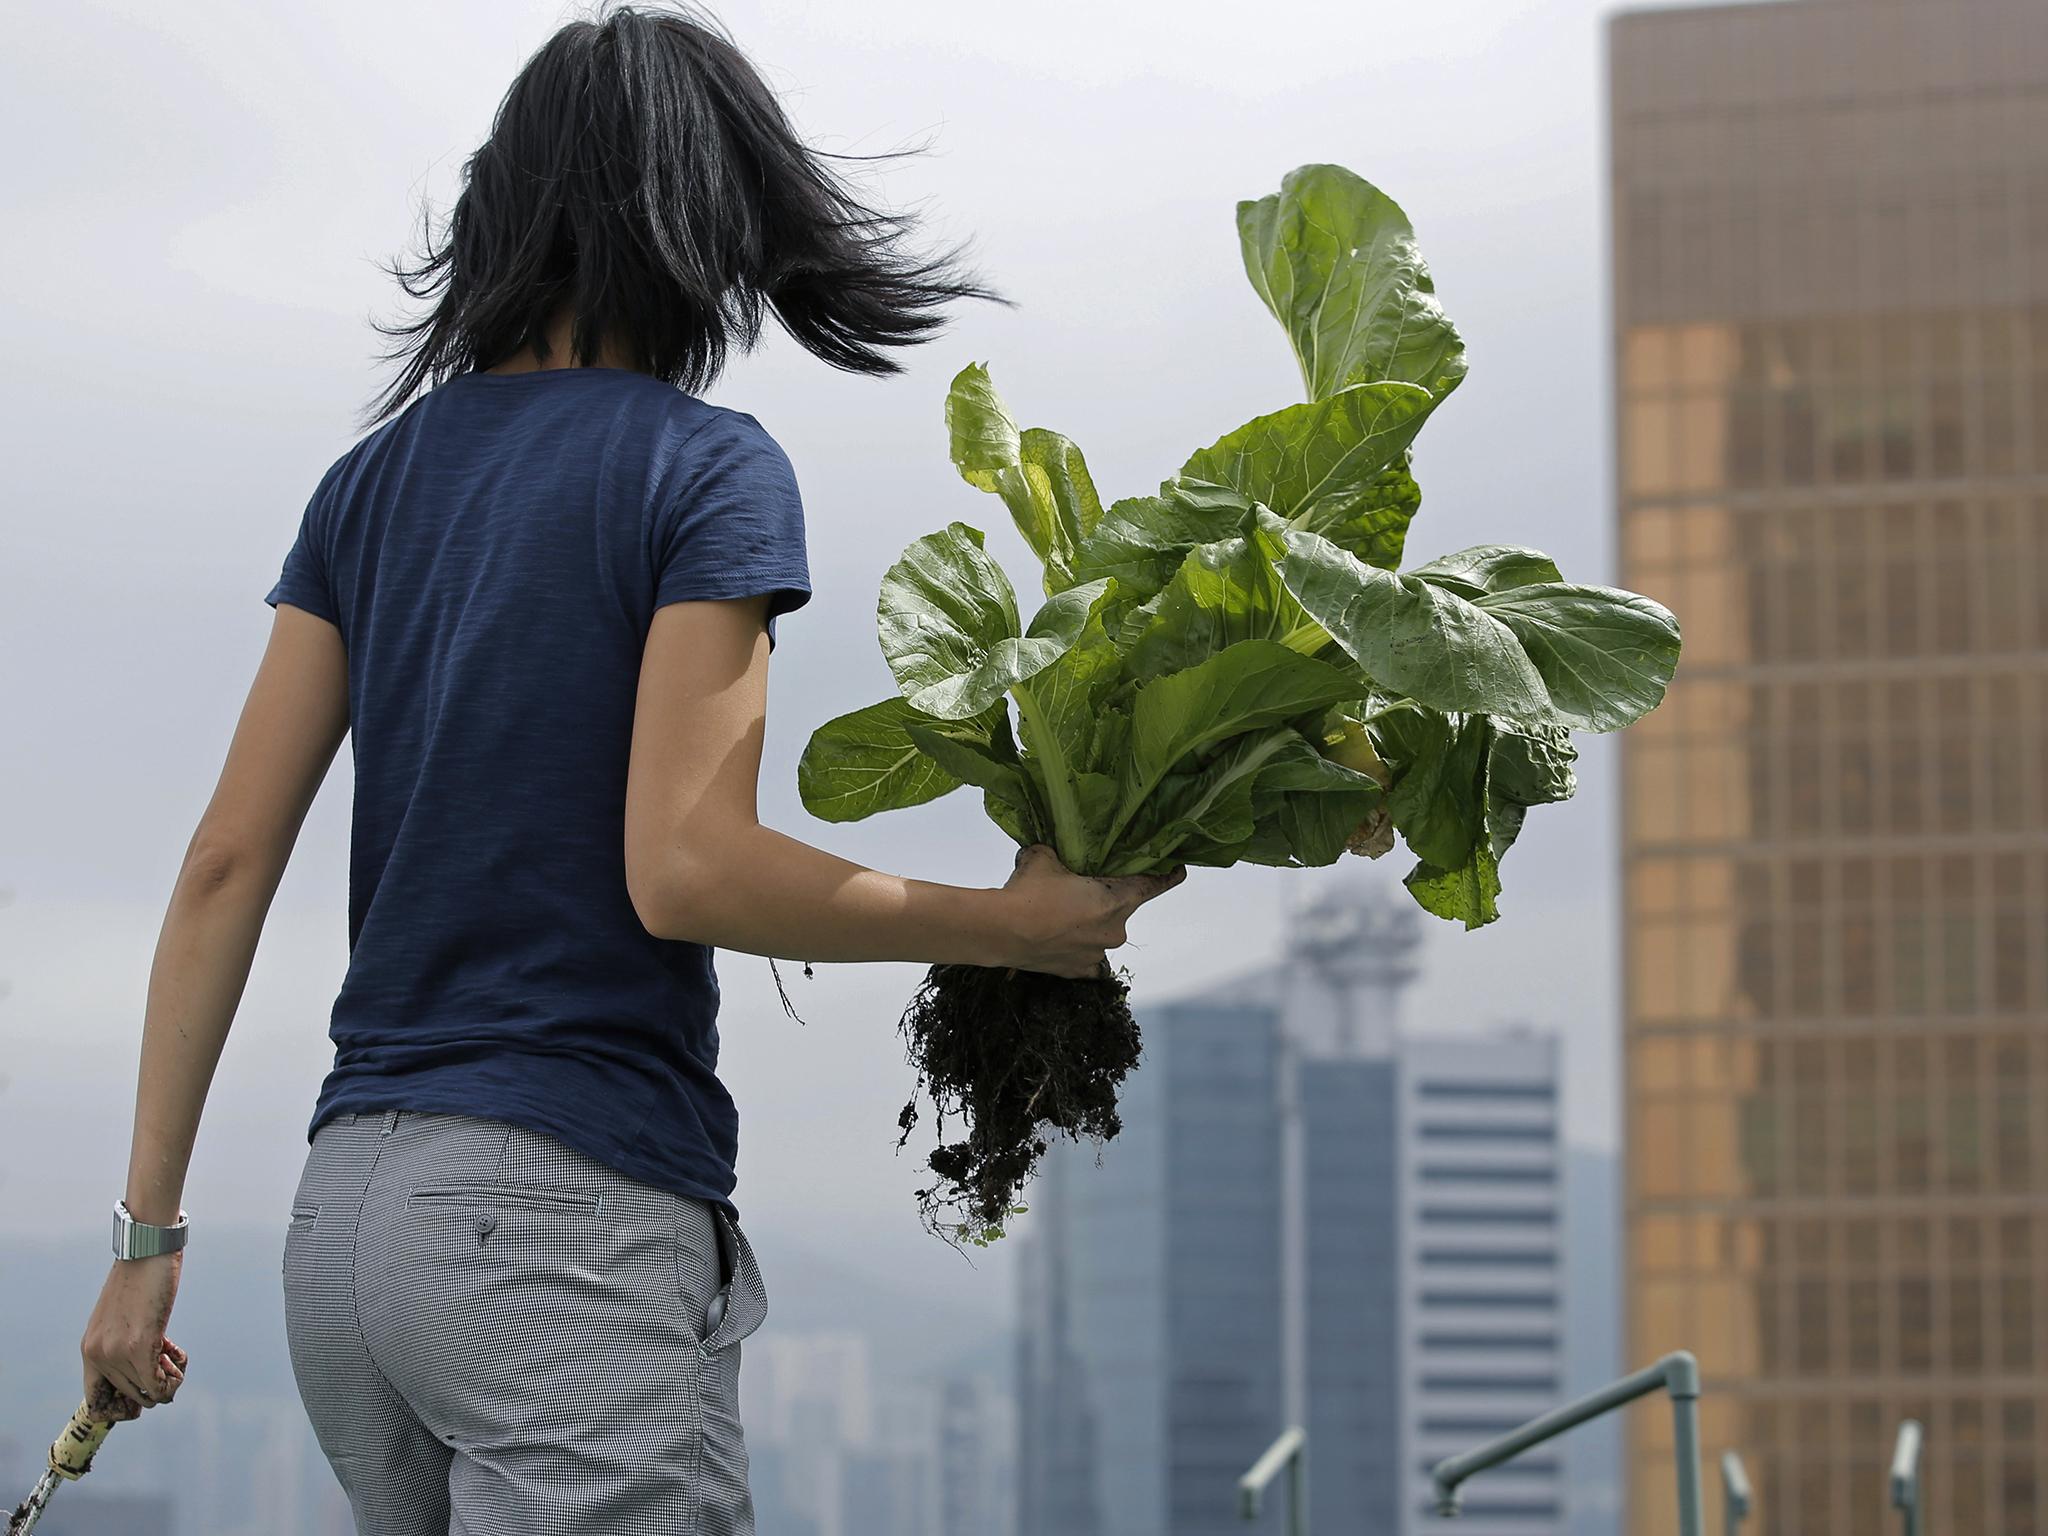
1676 1374
1289 1451
1735 1495
1906 1477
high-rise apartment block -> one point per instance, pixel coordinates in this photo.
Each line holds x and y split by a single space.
1830 226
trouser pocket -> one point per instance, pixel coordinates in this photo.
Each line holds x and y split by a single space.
741 1305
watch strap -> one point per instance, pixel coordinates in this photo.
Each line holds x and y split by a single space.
135 1239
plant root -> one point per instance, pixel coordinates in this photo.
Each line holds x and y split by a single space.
783 992
1016 1056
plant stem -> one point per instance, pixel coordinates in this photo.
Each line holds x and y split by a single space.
1251 761
1069 833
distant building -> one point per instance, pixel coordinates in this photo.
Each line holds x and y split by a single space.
1308 1217
885 1493
1830 225
972 1444
832 1452
768 1480
81 1511
1481 1289
1150 1367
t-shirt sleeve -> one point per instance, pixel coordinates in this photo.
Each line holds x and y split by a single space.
303 582
735 524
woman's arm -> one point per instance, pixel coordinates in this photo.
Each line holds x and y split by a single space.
700 865
291 725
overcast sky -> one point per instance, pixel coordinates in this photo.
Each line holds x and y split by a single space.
196 199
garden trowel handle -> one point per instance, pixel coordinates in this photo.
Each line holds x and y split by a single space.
71 1452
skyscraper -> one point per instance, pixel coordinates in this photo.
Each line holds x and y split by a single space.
1307 1218
1149 1364
1830 224
1480 1291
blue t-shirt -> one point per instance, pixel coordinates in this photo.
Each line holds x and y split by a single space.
493 557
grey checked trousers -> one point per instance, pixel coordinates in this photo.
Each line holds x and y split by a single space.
495 1335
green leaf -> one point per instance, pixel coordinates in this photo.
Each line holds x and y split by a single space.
1253 684
1007 816
1095 801
1468 894
1462 800
1606 656
1334 259
1314 464
1213 803
1060 478
1300 769
1060 712
1142 540
1411 637
865 762
1471 893
1223 593
1111 737
1374 525
1039 474
1072 694
1531 764
1503 823
1489 568
1312 803
948 623
973 754
1438 800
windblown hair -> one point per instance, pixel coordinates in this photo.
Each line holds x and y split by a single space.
642 172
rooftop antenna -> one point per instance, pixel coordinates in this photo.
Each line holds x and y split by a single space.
1364 947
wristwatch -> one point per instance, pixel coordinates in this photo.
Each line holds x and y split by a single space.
143 1239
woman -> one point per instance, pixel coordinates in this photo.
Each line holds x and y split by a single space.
540 597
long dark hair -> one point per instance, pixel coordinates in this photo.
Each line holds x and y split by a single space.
640 171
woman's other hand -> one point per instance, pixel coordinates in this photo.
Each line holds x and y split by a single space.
129 1362
1063 923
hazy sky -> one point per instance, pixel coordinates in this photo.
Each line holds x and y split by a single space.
196 199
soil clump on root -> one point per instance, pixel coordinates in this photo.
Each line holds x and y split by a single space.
1013 1055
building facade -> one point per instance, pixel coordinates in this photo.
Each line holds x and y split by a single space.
1481 1277
1830 227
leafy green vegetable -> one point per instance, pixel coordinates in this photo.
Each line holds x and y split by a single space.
1411 636
1039 474
865 762
1315 464
948 623
1141 541
1335 260
1223 593
1235 668
1489 568
1606 656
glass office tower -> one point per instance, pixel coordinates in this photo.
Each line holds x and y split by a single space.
1830 226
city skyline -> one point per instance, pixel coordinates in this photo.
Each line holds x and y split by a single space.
1312 1218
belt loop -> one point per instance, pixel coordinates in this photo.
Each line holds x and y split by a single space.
391 1119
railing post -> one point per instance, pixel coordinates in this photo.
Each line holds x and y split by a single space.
1677 1374
1289 1451
1906 1477
1682 1381
1735 1495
